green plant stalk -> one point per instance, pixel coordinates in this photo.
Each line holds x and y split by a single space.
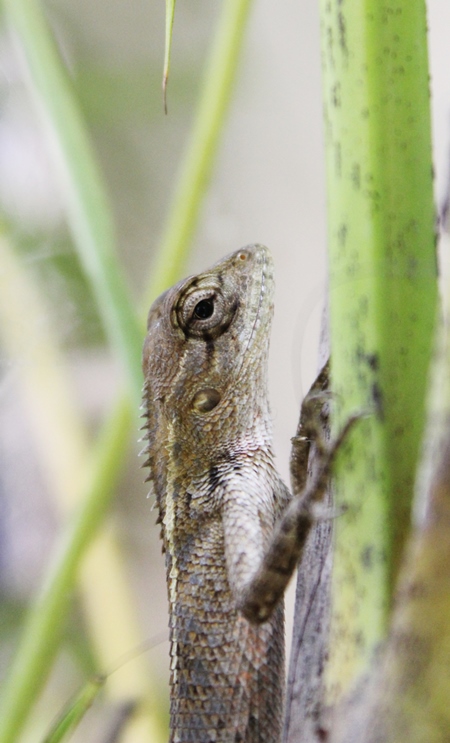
41 634
88 210
410 697
383 294
46 619
407 698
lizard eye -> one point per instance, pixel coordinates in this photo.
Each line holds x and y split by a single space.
203 312
204 309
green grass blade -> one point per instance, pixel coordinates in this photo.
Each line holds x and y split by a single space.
40 639
44 625
197 164
382 299
170 13
76 710
88 210
64 452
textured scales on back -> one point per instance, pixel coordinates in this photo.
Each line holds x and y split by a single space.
218 493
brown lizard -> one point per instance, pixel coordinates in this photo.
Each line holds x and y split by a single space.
231 533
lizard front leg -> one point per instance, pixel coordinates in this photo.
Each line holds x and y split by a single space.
259 575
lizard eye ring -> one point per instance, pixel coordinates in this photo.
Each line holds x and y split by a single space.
203 311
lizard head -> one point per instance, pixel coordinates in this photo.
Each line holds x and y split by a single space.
205 360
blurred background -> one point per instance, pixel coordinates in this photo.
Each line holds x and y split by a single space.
267 186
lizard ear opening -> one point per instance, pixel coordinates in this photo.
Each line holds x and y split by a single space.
206 399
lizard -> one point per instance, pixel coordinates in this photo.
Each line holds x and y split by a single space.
232 533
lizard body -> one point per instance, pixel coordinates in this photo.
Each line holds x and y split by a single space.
230 536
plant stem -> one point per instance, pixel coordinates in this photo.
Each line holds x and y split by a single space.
382 299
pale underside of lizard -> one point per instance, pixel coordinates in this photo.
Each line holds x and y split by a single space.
229 551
